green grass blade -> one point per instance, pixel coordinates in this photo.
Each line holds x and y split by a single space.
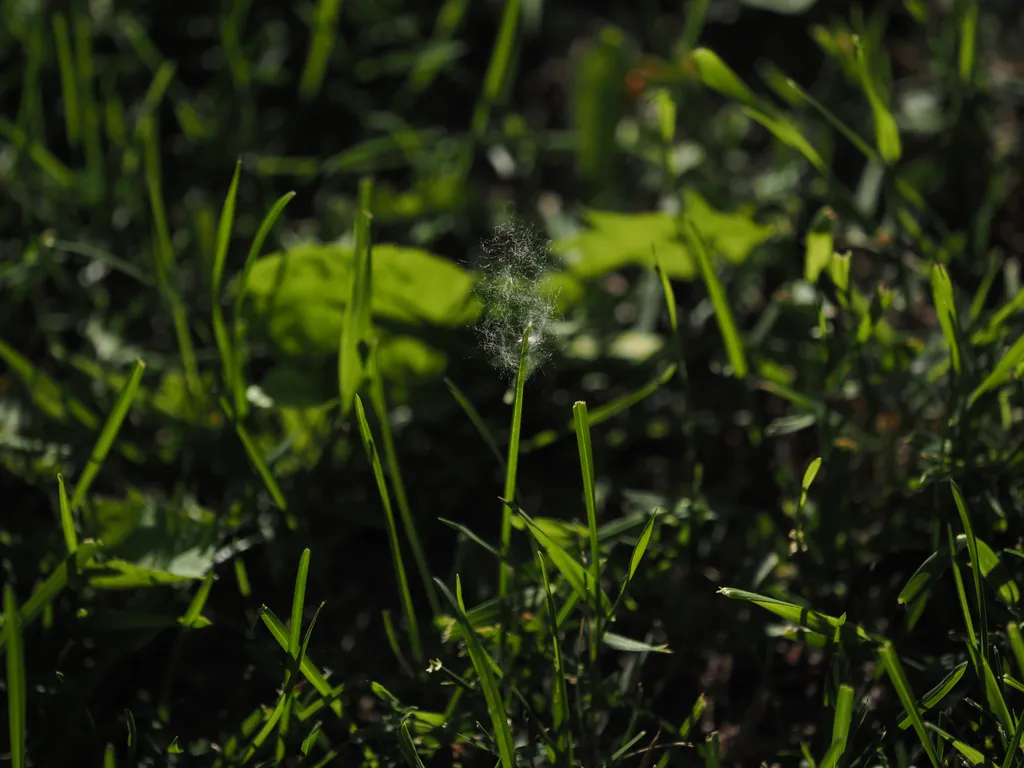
355 333
408 747
1013 634
323 31
668 294
193 617
512 465
891 664
567 566
108 434
1002 372
560 714
1013 750
483 664
815 621
68 82
241 404
16 690
110 757
306 665
887 133
972 548
586 451
259 463
45 392
37 153
942 295
717 75
968 35
67 519
498 70
819 243
224 227
841 719
720 302
294 645
379 402
938 693
396 549
635 559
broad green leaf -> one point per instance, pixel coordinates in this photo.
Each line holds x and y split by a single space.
298 297
613 241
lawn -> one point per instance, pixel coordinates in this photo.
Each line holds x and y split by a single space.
517 383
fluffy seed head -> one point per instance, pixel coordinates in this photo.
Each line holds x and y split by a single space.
513 265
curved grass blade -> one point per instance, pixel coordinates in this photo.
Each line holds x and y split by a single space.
306 666
634 561
477 421
193 618
942 295
1001 373
67 519
512 465
108 434
483 664
396 549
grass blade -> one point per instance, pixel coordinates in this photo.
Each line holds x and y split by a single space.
720 302
559 691
396 548
477 421
840 727
67 519
942 295
355 333
306 666
891 663
887 133
938 693
108 434
482 663
1001 373
634 561
579 411
379 402
512 466
224 227
16 691
294 658
324 28
193 617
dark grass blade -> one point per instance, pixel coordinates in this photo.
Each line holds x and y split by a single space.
16 691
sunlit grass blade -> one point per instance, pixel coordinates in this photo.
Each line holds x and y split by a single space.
893 667
379 402
67 519
1013 634
16 691
668 294
1013 749
819 243
264 733
108 434
720 303
512 465
241 404
396 548
938 693
887 133
294 641
968 36
972 548
258 462
604 412
1002 373
323 29
570 569
841 719
224 227
306 666
482 663
639 549
355 333
815 621
408 747
193 618
942 295
586 451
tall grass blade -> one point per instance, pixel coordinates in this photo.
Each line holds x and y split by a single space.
323 31
476 420
396 549
67 519
482 663
560 713
355 333
892 666
224 227
942 295
108 434
841 719
306 666
379 402
512 465
16 690
586 451
720 302
294 645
